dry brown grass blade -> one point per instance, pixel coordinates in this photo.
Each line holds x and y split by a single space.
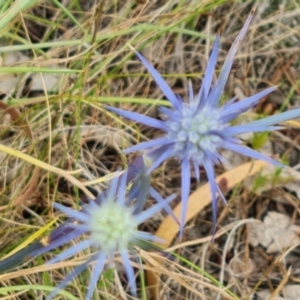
29 188
43 165
23 123
197 201
281 285
16 117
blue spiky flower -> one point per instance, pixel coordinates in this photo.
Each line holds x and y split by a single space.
108 225
197 129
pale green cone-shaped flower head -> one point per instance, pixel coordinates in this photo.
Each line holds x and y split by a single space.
112 226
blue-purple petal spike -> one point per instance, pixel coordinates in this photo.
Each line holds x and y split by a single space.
208 77
69 277
135 169
59 241
163 156
129 271
161 82
121 194
185 190
245 104
71 251
278 118
237 130
213 188
160 199
191 92
251 153
146 214
137 117
112 191
142 146
96 274
78 215
218 89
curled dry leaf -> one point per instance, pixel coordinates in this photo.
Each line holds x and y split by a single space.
265 294
289 292
275 233
292 291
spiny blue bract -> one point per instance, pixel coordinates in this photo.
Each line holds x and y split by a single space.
109 227
195 130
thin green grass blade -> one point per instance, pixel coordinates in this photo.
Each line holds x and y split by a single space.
69 15
14 10
5 290
205 274
17 69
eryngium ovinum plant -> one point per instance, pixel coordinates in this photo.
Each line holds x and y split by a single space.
197 128
108 226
